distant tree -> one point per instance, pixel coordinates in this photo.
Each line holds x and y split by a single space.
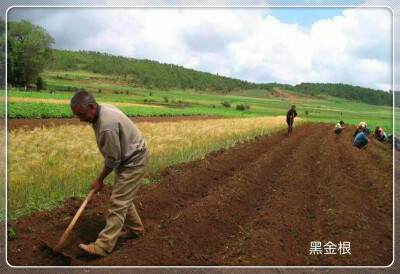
226 104
40 84
29 50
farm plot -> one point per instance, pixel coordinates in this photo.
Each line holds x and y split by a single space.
51 110
259 203
47 164
32 123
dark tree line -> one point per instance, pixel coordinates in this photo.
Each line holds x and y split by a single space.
367 95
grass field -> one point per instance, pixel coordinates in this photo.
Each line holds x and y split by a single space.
114 90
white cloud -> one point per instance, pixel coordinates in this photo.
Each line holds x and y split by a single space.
353 48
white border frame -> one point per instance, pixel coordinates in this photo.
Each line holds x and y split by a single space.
207 7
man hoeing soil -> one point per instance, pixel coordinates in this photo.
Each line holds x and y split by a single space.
124 151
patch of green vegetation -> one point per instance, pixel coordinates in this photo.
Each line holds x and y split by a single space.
194 103
255 92
37 110
10 233
326 108
50 110
146 181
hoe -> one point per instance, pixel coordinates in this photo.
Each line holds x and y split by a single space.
57 249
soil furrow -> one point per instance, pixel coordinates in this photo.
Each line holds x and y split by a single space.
211 225
275 230
258 203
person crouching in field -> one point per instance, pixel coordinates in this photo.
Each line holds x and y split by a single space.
360 128
124 151
290 118
379 134
361 140
338 128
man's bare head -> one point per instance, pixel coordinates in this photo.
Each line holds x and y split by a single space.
84 106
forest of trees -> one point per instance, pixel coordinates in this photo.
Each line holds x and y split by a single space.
367 95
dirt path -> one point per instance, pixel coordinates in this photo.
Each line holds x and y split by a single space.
31 123
259 203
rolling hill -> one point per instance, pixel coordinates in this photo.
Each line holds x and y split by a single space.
155 75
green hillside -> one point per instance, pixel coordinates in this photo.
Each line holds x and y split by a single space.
144 73
154 75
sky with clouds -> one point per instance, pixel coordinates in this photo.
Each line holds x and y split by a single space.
286 45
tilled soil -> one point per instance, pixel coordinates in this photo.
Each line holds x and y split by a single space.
259 203
32 123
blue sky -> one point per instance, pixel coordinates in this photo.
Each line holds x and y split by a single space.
303 16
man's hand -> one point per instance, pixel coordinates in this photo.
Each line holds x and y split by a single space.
97 184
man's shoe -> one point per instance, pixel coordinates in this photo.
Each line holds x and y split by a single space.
93 249
129 234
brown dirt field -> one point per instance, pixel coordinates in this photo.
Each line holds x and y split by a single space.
279 93
31 123
259 203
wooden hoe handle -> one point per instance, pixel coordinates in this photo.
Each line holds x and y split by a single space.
71 225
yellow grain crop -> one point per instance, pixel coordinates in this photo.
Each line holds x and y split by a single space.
48 164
